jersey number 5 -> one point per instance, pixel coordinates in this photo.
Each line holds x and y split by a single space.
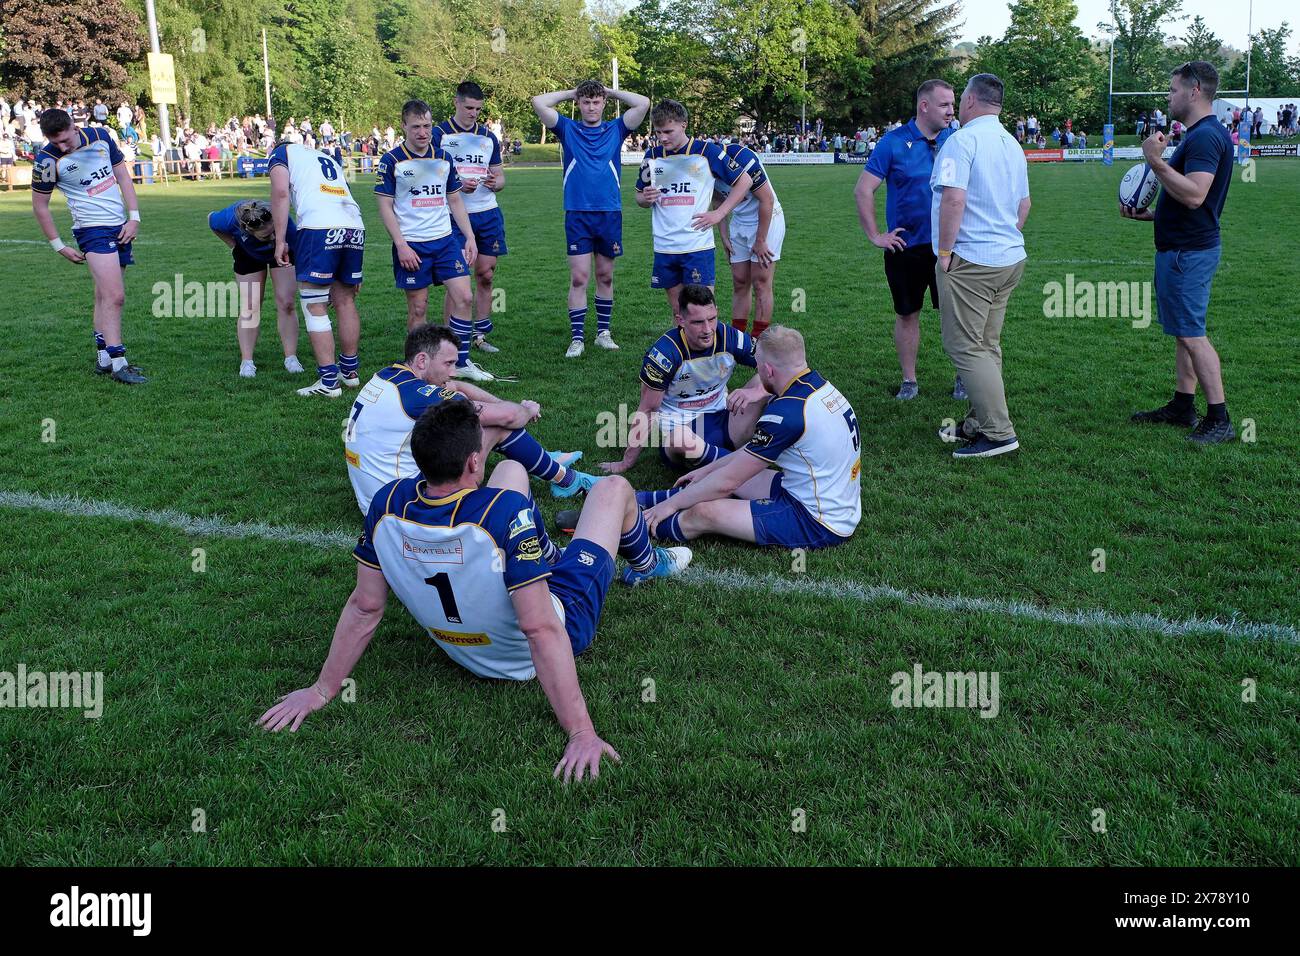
852 421
449 609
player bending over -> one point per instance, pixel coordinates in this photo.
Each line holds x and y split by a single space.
92 173
593 202
676 182
813 496
684 389
477 154
327 254
497 609
247 229
377 442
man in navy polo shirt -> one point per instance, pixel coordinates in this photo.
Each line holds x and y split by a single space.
1194 187
903 159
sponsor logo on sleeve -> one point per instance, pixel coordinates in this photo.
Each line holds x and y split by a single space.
523 522
530 549
762 438
661 360
353 458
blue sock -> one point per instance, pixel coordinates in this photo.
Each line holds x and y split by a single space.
648 499
635 546
550 553
483 327
711 454
464 330
329 375
348 364
99 341
578 323
537 461
671 530
604 314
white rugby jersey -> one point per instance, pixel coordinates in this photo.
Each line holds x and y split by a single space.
810 432
687 178
419 186
86 177
694 382
377 440
453 562
320 195
746 211
475 151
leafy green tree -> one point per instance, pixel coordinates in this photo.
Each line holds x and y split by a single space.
1201 43
61 48
1044 60
1272 71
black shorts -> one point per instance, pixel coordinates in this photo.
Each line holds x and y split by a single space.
909 273
246 265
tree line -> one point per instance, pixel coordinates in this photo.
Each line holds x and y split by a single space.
848 62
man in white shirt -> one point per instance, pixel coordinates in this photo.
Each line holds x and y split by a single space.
979 205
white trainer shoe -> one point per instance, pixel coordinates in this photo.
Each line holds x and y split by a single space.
247 369
473 372
575 348
351 381
319 388
606 341
292 365
481 343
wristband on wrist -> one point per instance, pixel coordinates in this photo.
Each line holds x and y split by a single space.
57 244
945 253
134 215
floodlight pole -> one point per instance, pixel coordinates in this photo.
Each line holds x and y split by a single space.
1250 23
164 117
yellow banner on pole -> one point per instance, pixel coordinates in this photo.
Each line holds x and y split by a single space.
162 78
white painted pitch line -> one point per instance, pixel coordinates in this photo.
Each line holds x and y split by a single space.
46 242
794 585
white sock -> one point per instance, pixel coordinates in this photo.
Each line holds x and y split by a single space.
101 356
119 363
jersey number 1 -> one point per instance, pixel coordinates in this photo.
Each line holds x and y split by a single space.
449 609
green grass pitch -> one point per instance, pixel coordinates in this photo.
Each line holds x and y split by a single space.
771 684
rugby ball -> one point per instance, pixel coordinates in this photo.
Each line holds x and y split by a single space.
1138 187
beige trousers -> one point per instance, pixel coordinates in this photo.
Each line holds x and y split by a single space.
972 306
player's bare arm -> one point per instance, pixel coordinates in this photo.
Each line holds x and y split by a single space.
766 197
731 472
456 203
742 398
865 195
739 190
1190 189
280 212
556 672
496 180
951 210
361 616
130 228
45 219
544 106
637 106
638 434
408 257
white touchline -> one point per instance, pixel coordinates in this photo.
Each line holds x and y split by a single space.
836 589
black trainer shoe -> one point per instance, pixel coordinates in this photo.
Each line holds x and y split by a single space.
567 520
128 377
1167 415
1212 432
108 369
